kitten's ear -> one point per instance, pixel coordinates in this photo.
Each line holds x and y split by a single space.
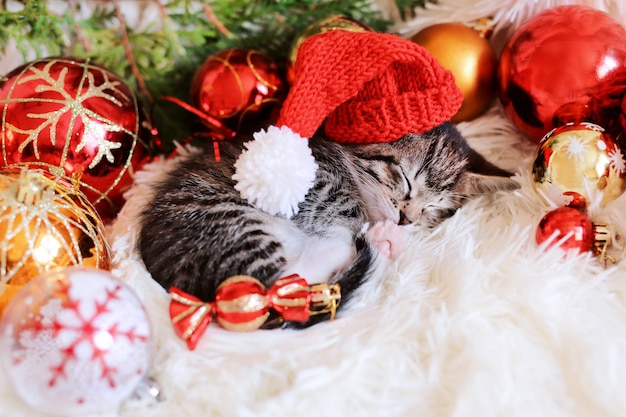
486 184
479 165
483 177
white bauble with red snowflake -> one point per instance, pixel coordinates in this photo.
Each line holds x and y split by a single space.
75 341
579 164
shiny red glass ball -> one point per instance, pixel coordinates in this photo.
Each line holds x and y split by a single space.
76 119
569 224
563 65
240 88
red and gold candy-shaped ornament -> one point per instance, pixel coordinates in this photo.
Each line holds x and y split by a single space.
243 304
76 119
572 230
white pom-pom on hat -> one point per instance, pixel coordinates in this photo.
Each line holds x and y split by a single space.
275 171
364 87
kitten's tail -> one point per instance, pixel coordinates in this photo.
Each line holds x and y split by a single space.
350 280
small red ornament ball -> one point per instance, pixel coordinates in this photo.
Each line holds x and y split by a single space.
563 65
240 88
75 119
570 222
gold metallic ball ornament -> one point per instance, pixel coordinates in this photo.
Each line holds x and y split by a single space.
577 164
469 55
45 223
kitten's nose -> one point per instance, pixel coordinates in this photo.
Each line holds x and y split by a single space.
404 219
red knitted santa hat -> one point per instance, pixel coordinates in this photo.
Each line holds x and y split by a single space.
365 87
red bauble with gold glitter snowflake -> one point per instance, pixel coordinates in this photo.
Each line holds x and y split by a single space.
76 119
75 342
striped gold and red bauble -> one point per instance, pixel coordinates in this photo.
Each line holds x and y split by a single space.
242 303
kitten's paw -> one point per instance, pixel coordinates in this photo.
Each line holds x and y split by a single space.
388 238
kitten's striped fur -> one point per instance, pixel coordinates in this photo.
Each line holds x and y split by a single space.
197 231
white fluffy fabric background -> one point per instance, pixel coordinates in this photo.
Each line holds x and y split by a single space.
474 319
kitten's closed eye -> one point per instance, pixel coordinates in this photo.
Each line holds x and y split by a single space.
429 210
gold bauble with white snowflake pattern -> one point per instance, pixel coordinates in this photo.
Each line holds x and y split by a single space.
579 164
45 223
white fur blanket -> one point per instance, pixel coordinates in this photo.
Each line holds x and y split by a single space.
474 319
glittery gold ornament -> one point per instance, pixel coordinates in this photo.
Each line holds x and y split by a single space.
320 26
469 55
579 163
45 223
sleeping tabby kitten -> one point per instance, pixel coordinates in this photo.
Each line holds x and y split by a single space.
198 231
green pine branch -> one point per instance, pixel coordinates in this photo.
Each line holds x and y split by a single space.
33 28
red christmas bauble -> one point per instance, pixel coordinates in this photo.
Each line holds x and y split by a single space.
561 66
240 88
241 304
573 229
76 119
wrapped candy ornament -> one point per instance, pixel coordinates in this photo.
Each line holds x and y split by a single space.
76 119
243 304
75 341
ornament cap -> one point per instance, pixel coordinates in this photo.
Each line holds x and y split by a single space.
602 234
325 299
602 239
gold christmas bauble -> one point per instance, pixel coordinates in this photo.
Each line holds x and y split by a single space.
320 26
471 58
45 223
577 164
